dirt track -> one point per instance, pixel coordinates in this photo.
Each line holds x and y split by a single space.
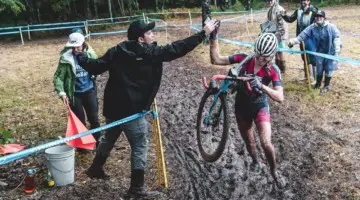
317 157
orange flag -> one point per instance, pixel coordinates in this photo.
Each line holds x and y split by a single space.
74 127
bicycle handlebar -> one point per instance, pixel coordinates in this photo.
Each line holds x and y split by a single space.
224 77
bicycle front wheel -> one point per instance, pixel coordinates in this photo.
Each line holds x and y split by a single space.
212 128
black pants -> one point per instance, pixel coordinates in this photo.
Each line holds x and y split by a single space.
87 101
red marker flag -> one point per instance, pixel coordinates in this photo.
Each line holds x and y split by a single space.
74 127
10 148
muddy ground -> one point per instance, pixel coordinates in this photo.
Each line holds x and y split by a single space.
316 138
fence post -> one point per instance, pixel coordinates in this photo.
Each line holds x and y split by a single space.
190 22
252 17
246 25
22 39
86 26
29 36
144 17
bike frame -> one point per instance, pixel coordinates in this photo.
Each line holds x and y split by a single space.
225 85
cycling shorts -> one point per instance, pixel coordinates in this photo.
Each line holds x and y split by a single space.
250 113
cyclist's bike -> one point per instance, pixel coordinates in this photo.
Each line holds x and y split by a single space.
212 127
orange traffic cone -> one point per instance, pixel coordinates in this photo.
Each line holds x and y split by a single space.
74 127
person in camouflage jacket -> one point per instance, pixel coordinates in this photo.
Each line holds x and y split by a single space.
275 15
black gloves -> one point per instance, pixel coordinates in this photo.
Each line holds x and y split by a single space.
214 34
256 85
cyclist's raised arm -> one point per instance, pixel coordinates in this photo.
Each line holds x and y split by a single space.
216 58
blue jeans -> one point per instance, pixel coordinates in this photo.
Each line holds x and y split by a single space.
325 65
136 132
88 101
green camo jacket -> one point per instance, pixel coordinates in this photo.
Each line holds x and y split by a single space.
64 77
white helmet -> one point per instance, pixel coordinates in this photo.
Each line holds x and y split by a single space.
266 44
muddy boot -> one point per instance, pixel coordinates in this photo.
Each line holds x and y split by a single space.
318 82
326 87
137 187
279 180
96 170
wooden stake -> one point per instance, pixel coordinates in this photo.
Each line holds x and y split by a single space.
306 68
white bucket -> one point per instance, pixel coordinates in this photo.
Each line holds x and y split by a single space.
61 163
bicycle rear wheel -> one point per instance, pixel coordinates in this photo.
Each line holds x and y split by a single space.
212 131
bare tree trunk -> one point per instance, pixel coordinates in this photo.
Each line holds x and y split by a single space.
215 3
96 8
38 15
121 7
74 7
110 11
136 4
163 5
156 5
87 9
129 4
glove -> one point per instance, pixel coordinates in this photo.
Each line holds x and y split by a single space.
256 85
292 42
214 33
290 45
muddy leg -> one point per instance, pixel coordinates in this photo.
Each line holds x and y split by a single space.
246 131
264 129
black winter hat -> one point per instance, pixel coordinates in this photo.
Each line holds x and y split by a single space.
138 28
320 13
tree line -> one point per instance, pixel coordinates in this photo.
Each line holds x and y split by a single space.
16 12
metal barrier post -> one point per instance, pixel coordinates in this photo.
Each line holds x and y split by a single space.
29 36
144 17
21 36
190 22
252 16
86 27
246 25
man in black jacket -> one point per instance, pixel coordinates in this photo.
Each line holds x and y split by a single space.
135 70
305 16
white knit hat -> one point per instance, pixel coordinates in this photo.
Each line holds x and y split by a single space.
75 40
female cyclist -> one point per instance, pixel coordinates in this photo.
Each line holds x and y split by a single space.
250 106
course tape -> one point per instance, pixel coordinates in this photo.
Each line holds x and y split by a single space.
331 57
26 152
